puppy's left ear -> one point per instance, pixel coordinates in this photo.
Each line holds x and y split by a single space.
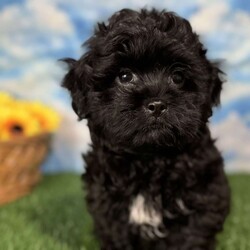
75 82
216 83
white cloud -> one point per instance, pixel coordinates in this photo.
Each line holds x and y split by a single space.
28 30
234 137
95 11
39 80
48 17
110 4
71 140
34 16
220 22
209 17
233 91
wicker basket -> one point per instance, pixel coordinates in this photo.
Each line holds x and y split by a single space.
19 165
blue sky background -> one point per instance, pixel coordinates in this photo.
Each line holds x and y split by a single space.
35 34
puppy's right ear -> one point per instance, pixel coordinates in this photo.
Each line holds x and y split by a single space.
75 83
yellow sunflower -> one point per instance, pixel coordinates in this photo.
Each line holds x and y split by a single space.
5 99
22 118
16 122
48 119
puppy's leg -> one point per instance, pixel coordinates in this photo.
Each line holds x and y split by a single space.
211 210
110 216
199 235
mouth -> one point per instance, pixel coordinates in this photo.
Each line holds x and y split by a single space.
154 123
153 126
153 134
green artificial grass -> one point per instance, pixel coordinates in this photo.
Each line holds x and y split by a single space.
54 217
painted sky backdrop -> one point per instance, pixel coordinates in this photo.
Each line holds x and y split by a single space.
35 34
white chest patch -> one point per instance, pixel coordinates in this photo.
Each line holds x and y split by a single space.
142 213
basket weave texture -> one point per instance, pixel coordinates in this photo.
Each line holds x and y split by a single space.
19 165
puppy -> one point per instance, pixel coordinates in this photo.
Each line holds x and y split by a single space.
154 177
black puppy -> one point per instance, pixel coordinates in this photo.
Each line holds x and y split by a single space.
154 177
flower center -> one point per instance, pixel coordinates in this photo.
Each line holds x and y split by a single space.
16 129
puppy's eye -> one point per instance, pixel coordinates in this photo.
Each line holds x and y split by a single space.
178 78
126 77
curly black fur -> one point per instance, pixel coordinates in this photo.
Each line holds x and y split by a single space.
169 158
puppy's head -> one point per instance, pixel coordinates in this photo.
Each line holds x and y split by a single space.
144 81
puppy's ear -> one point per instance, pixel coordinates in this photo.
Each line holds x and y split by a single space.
216 83
75 82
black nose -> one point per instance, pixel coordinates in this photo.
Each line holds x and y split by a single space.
156 107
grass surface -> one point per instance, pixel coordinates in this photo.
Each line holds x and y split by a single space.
54 217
